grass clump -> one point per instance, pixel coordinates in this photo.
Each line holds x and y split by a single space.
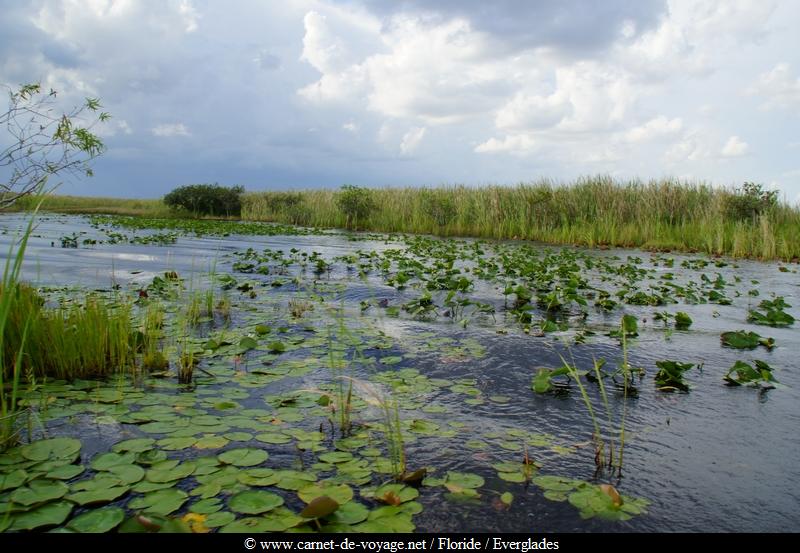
88 340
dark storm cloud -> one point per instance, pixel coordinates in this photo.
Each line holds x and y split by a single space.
575 26
21 41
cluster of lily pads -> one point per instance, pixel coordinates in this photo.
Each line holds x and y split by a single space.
300 408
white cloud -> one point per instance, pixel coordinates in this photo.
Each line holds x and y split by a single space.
112 127
513 143
170 129
653 129
779 87
350 126
189 15
734 147
526 111
412 140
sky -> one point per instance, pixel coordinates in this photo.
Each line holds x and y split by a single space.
317 93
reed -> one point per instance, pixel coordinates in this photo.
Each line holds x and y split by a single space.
593 211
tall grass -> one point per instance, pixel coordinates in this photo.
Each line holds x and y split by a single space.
11 364
88 205
88 340
593 211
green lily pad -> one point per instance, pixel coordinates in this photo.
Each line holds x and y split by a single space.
464 479
238 436
151 457
206 506
161 502
100 495
517 477
507 498
64 472
129 474
260 477
105 461
745 340
53 448
179 472
252 525
211 442
50 514
273 438
136 445
220 518
98 520
243 457
13 479
351 512
39 491
176 443
253 502
341 493
335 457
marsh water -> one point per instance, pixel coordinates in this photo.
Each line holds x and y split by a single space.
714 459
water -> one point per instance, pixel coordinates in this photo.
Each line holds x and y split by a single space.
717 459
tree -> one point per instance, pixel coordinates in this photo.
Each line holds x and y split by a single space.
43 142
206 199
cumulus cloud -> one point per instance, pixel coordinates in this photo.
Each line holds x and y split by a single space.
499 90
521 24
734 147
170 129
656 128
779 87
514 143
411 140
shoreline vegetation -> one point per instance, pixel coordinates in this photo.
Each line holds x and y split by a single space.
597 212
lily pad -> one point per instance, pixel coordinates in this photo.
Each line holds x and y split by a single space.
206 506
179 472
50 514
129 474
98 520
13 479
136 445
176 444
254 502
745 340
351 512
53 448
211 442
220 518
105 461
273 438
161 502
39 491
464 479
395 494
243 457
341 493
99 495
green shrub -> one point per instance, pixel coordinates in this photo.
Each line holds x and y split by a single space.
206 199
750 201
355 203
